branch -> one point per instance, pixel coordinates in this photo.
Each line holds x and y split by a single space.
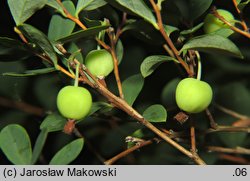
123 105
243 23
128 151
237 150
228 129
113 41
232 27
231 112
235 159
168 40
25 107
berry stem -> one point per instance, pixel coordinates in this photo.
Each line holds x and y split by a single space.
199 65
77 75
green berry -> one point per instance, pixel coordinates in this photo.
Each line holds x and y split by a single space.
193 96
74 102
212 23
99 62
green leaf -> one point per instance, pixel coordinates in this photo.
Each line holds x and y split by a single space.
119 51
53 122
40 40
40 141
192 9
139 8
225 32
15 144
56 31
88 5
55 5
136 134
82 34
24 9
155 113
170 29
31 72
192 30
73 49
96 106
132 86
68 153
150 63
213 43
242 5
12 50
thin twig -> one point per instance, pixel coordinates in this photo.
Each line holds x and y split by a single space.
25 107
235 159
231 112
128 151
237 150
232 27
123 105
228 129
243 23
193 141
168 40
212 122
73 18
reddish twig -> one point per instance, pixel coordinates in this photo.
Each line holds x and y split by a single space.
243 23
25 107
168 40
128 151
232 27
235 159
123 105
237 150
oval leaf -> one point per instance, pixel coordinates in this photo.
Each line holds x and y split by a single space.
155 113
192 9
96 106
82 33
56 6
40 40
56 31
131 87
24 9
15 143
40 141
31 72
213 43
68 153
12 50
88 5
150 63
139 8
53 122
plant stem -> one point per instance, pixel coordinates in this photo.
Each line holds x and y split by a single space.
77 74
168 40
123 105
237 150
128 151
232 27
243 23
199 65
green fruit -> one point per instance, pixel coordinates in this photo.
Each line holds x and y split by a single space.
74 102
99 62
212 23
193 95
